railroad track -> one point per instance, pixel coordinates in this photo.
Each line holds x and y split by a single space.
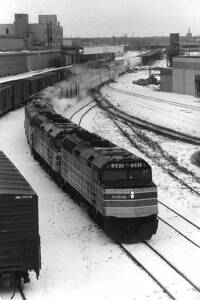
172 174
155 99
181 216
184 219
172 161
149 255
78 110
167 164
19 288
116 112
140 138
179 232
188 283
149 273
85 113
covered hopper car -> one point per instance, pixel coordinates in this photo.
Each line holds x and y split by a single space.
19 229
116 184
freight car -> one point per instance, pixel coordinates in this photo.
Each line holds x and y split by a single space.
15 93
116 184
19 230
5 99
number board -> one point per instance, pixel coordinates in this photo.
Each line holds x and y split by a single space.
131 165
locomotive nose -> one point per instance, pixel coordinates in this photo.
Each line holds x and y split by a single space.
127 203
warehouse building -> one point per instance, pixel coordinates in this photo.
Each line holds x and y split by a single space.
47 33
183 77
186 75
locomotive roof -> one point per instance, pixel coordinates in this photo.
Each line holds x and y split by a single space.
54 124
31 111
11 180
97 151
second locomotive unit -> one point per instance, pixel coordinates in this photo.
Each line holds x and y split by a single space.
116 184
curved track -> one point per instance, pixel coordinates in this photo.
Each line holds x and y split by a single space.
106 105
170 161
166 163
172 269
170 173
138 137
77 111
85 113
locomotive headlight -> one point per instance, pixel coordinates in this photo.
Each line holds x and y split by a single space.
132 194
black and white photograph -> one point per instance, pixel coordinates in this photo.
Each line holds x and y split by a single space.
99 150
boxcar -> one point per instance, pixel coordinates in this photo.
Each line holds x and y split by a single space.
37 83
5 99
51 78
20 92
61 74
19 230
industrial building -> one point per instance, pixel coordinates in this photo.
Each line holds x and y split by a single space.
186 75
183 77
47 33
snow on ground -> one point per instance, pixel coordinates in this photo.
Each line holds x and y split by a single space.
170 192
166 240
78 260
157 112
175 196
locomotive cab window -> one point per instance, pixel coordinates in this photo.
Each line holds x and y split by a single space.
139 174
126 174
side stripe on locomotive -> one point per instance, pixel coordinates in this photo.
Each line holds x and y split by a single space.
135 202
130 203
130 195
131 212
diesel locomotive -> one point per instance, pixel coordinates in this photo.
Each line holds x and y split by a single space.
116 184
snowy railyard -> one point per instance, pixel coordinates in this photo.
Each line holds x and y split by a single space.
78 259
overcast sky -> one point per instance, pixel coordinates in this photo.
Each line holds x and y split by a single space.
111 17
